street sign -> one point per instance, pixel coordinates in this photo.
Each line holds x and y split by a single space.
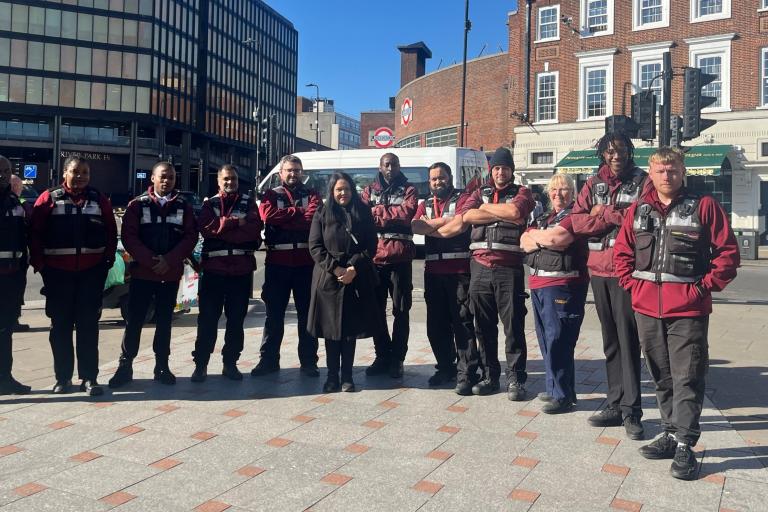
30 172
406 111
141 175
383 137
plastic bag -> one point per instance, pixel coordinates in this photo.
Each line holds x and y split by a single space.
116 274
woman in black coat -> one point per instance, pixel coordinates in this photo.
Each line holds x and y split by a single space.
342 307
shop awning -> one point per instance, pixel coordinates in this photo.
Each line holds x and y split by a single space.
699 160
706 160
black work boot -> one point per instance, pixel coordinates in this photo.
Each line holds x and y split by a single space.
396 369
515 391
163 374
608 417
684 464
442 377
91 387
557 406
10 386
264 368
123 375
663 447
379 367
463 388
231 371
634 428
200 373
485 387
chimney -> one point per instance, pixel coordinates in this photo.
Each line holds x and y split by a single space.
412 58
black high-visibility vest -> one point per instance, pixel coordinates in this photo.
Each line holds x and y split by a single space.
216 247
280 239
73 229
13 237
499 235
453 248
392 196
674 247
160 231
549 262
624 196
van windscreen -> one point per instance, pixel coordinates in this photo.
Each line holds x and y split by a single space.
318 178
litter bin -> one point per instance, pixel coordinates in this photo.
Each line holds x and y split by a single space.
747 240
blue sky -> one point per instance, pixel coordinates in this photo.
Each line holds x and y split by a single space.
349 48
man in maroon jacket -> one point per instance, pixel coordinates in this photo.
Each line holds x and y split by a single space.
498 214
393 203
13 272
73 239
597 214
287 211
674 249
159 232
231 229
450 326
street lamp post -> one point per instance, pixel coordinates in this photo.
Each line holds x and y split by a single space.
317 112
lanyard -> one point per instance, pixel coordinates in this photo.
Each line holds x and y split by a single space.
436 207
229 212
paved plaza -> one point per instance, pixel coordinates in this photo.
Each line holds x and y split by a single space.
278 443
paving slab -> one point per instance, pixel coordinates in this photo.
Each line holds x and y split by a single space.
99 477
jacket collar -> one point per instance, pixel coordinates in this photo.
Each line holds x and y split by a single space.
381 184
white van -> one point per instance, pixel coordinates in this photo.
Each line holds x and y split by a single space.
469 166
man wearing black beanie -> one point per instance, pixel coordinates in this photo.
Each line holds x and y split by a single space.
497 215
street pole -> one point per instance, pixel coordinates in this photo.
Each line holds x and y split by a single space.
317 112
666 108
467 28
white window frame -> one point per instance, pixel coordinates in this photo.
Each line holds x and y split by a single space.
556 74
592 60
764 77
540 39
697 18
763 6
637 21
710 46
647 54
584 28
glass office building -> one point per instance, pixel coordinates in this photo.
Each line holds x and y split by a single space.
127 82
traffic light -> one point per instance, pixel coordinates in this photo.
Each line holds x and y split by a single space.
644 114
676 131
621 124
694 101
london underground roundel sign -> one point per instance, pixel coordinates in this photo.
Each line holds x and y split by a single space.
406 111
383 137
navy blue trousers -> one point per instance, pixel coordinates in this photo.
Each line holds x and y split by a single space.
558 313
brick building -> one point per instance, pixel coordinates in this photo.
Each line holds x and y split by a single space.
589 56
371 121
435 100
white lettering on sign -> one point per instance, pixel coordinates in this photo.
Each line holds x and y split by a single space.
87 156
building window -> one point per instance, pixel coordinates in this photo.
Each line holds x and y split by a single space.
650 14
647 72
764 80
546 97
549 23
596 17
706 10
595 84
713 56
764 149
542 158
764 5
647 66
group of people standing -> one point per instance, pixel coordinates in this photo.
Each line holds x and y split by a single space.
652 250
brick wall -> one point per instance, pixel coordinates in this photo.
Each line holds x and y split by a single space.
370 121
745 22
437 102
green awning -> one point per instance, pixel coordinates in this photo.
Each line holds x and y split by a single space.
699 160
705 160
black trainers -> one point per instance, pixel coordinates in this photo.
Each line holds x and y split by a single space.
545 397
556 406
348 387
634 428
441 377
516 391
309 371
463 388
264 368
164 375
62 387
331 386
123 375
396 369
10 386
608 417
379 367
485 387
200 373
663 447
684 464
91 387
231 371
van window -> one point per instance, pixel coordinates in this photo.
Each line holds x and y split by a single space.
473 177
318 178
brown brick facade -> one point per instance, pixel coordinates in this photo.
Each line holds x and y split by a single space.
370 121
436 101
